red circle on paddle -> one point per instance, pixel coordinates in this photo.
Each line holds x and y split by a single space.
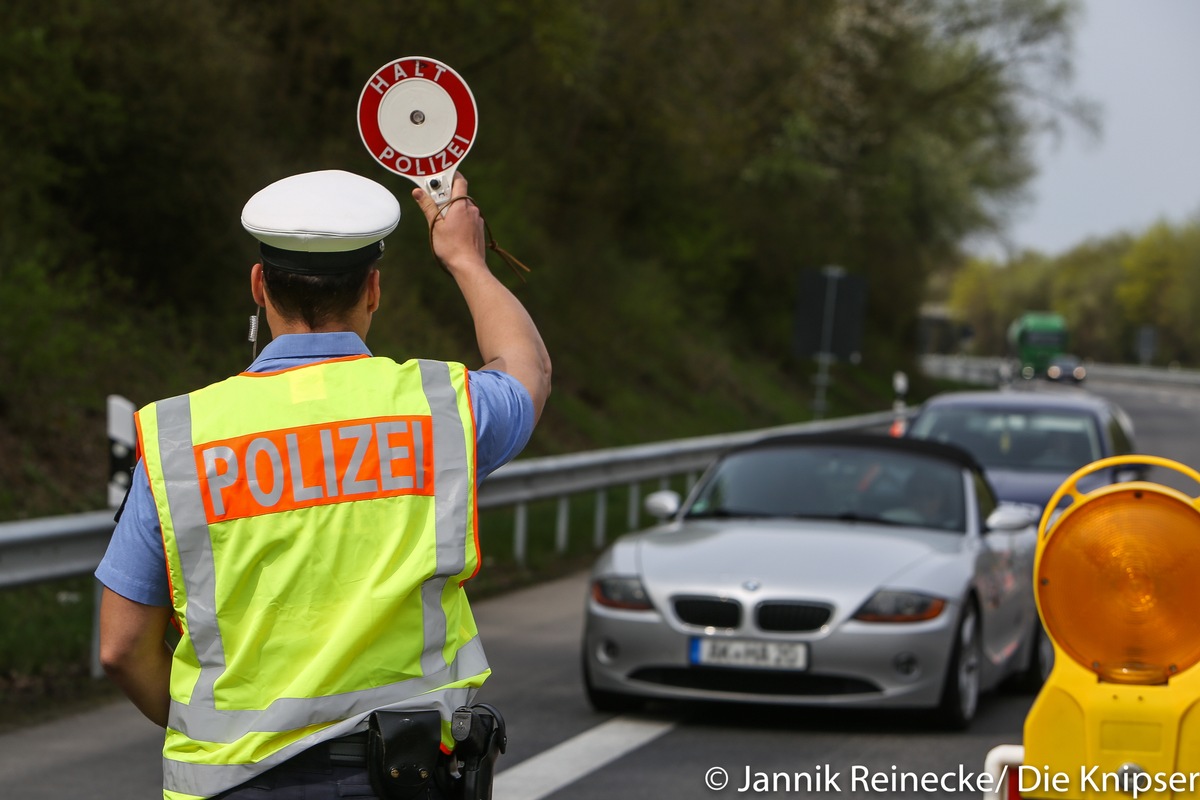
417 117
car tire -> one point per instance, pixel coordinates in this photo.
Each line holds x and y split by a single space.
608 702
960 692
1041 661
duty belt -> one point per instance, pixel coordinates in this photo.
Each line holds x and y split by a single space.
344 751
350 750
401 753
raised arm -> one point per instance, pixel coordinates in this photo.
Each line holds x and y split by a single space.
507 337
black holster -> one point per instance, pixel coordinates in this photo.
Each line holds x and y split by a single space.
404 754
480 738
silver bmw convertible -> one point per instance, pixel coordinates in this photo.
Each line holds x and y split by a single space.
831 570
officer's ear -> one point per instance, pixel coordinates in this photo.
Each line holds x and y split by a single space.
373 291
257 290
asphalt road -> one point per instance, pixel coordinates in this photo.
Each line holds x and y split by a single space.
560 748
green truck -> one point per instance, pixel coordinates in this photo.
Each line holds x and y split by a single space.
1036 337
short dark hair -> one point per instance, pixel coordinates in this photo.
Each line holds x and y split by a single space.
315 299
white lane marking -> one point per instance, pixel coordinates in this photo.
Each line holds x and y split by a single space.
546 773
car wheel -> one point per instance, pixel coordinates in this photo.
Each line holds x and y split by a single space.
605 701
1041 660
960 693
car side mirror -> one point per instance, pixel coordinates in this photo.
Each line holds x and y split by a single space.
662 504
1013 517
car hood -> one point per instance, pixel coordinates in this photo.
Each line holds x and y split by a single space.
834 560
1025 486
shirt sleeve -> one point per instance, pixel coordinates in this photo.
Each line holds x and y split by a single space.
503 419
135 565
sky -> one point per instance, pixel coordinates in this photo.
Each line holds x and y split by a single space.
1140 61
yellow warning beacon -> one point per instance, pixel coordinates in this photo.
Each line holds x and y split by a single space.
1117 579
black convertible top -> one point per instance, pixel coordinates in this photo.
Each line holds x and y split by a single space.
877 441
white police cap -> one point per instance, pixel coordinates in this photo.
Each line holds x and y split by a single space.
321 223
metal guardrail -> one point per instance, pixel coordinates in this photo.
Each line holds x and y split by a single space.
45 549
49 548
1137 374
967 369
38 550
993 371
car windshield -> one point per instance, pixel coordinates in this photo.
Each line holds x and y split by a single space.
850 483
1017 439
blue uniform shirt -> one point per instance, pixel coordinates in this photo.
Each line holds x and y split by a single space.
135 565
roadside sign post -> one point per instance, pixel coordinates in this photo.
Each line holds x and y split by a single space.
1147 342
825 354
899 403
122 447
122 443
828 324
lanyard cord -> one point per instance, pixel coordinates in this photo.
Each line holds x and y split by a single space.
513 263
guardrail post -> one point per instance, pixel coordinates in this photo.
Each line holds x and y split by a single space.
561 525
122 444
520 533
96 670
633 514
599 529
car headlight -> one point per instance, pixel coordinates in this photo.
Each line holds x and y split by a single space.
1080 373
1054 372
625 593
891 606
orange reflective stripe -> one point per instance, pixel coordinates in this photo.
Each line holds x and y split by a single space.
312 465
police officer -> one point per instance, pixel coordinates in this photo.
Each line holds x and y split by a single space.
307 525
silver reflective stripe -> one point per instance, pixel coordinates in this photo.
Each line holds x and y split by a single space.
452 495
206 724
191 536
206 780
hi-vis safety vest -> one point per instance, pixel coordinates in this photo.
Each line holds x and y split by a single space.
318 524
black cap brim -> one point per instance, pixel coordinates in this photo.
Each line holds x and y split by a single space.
308 263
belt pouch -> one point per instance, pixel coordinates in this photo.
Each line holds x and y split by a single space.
403 750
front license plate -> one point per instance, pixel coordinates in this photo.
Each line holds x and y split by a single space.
716 652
